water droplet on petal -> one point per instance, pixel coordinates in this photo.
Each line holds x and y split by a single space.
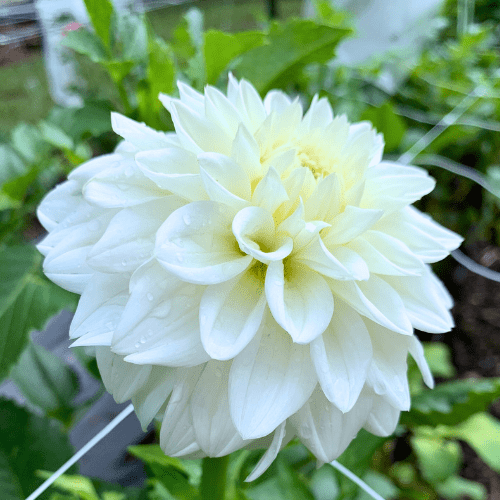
150 297
143 340
129 171
179 256
137 345
124 262
186 219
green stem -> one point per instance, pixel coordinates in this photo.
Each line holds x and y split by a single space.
213 479
124 98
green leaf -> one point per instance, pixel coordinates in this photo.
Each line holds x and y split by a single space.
80 486
457 488
56 136
482 432
100 12
452 402
27 301
28 443
438 458
118 70
323 483
387 122
28 142
45 380
161 70
11 165
130 41
290 47
221 48
381 484
86 43
175 482
284 485
438 358
13 192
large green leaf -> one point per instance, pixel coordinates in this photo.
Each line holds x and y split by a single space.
387 122
80 486
291 46
482 432
100 12
27 443
452 402
438 458
27 301
86 43
221 48
46 381
28 142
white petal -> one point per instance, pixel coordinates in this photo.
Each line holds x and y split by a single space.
121 379
300 300
254 230
383 418
231 314
417 353
376 300
387 374
139 134
177 431
214 430
153 394
342 356
121 185
426 238
324 429
349 224
276 100
319 114
175 170
391 187
245 152
219 110
426 304
94 339
269 193
130 236
196 244
269 380
324 203
317 257
197 133
271 453
250 104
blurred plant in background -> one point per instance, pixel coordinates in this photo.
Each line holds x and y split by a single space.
126 64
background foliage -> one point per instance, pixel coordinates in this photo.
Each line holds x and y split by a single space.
127 64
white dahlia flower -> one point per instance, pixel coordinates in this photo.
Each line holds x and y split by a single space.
253 276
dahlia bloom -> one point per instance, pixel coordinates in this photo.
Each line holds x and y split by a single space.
254 276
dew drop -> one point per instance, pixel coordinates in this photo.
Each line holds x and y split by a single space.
124 262
179 242
109 325
143 340
137 345
150 297
186 219
180 257
129 171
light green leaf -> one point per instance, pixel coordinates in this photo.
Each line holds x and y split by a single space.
100 12
456 488
28 443
118 70
27 301
381 484
161 70
56 136
438 358
80 486
11 165
438 458
221 48
28 142
387 122
45 380
86 43
153 454
481 432
452 402
291 46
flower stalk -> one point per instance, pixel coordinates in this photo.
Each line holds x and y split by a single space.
213 479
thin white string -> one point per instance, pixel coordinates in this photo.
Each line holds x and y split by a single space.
121 416
356 479
440 127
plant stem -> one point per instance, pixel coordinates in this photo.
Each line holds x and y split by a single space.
213 479
124 97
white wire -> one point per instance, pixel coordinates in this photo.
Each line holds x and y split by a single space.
121 416
355 479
